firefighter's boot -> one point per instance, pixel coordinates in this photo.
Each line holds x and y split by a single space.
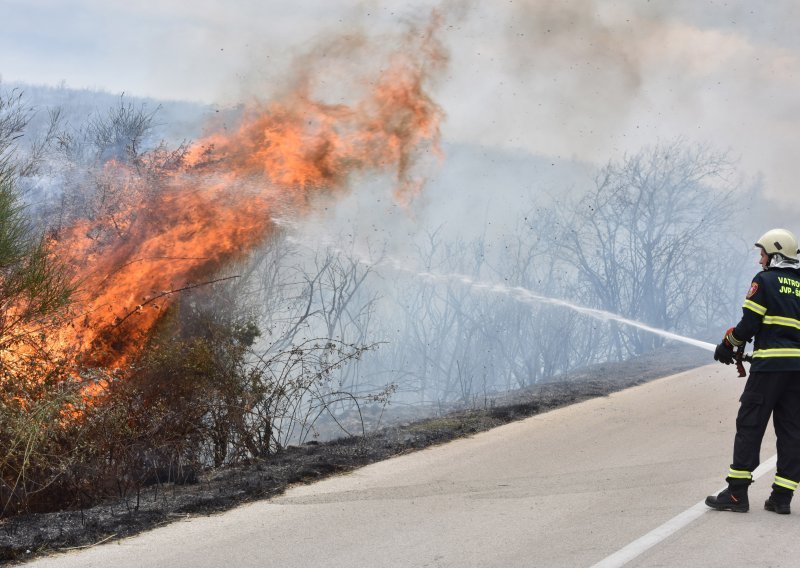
779 501
730 499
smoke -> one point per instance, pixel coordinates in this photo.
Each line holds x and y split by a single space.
593 60
169 221
351 103
584 79
593 80
519 90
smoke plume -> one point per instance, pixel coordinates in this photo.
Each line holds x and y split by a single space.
279 158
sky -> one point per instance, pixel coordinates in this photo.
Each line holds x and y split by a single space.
589 80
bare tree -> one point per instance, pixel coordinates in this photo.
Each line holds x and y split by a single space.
640 239
110 166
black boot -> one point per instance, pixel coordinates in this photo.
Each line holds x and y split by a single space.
779 501
730 499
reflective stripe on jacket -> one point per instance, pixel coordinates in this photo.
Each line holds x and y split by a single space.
771 315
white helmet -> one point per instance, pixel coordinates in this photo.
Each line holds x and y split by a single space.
779 241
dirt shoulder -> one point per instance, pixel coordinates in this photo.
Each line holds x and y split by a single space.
24 537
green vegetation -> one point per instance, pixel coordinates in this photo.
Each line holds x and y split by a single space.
37 394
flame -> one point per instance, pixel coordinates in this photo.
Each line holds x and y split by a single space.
178 240
218 206
309 145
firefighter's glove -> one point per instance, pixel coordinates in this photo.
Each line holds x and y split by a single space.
724 351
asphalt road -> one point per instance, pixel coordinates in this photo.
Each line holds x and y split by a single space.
572 487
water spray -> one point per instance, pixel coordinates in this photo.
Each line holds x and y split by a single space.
518 293
526 296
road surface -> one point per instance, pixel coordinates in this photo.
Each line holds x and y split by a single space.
578 486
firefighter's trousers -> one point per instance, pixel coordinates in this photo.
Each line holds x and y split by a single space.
778 394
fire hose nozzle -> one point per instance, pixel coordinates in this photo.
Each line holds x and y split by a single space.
740 359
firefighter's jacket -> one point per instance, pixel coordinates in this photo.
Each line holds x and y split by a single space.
771 315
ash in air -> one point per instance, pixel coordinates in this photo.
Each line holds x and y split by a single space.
520 271
315 259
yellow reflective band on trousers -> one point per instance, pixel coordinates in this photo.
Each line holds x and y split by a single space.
785 483
778 320
757 308
776 352
739 474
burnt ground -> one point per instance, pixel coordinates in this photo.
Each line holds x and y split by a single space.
25 537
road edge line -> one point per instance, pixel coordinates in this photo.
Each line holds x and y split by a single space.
676 523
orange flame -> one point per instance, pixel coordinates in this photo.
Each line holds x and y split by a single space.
219 207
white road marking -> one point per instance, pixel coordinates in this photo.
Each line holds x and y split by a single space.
676 523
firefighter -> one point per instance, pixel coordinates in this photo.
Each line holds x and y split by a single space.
770 316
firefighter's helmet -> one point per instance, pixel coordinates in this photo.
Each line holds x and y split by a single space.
779 241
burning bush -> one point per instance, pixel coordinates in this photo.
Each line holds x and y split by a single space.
40 441
199 397
196 397
148 375
37 393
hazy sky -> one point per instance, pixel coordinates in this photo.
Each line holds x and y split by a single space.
575 78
